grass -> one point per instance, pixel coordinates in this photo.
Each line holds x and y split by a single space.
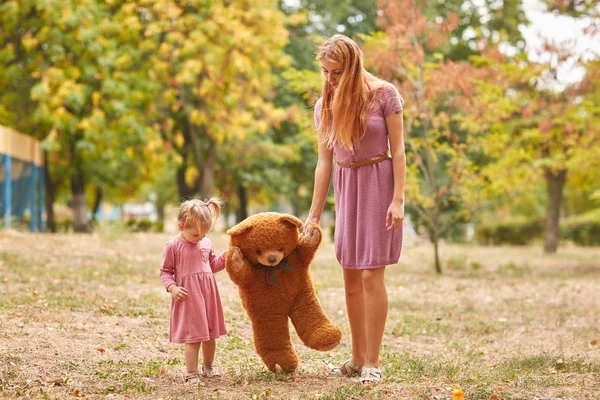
85 316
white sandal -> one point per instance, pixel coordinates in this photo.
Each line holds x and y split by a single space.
210 371
370 376
347 368
192 378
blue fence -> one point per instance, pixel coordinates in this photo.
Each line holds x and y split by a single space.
21 192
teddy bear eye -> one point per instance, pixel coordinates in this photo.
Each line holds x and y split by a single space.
258 252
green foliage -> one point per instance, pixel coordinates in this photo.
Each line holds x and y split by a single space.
511 231
144 225
583 229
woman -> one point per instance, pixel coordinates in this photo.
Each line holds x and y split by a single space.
359 122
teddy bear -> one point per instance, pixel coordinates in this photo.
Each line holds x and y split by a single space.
268 260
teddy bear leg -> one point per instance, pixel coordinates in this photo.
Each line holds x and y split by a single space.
312 325
273 343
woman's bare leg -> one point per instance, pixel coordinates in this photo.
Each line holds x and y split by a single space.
376 310
355 305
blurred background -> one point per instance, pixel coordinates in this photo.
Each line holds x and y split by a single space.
113 111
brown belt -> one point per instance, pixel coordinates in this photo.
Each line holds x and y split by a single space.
368 161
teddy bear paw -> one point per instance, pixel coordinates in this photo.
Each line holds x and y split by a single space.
312 236
236 261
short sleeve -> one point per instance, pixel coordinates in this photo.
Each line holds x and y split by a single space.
318 113
391 102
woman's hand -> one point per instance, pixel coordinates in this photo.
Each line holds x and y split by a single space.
178 293
308 230
394 216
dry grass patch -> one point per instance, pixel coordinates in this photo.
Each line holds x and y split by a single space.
86 316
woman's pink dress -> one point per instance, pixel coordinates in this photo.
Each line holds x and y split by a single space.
363 194
200 317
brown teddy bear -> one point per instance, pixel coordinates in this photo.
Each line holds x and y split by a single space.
268 260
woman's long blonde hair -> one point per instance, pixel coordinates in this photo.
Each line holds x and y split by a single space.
344 113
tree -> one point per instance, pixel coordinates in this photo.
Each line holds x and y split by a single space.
214 61
442 184
534 129
78 63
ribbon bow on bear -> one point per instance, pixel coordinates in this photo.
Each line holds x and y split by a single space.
270 270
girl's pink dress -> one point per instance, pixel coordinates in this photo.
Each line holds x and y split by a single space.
200 317
363 195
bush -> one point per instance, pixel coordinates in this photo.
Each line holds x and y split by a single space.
583 229
63 225
144 225
513 231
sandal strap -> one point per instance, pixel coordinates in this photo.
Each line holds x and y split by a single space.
192 376
370 375
210 371
347 368
350 368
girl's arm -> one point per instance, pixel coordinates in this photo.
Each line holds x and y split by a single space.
167 275
167 267
217 263
395 126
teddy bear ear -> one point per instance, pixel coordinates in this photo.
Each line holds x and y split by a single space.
239 229
292 220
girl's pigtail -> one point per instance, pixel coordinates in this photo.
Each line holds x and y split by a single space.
214 205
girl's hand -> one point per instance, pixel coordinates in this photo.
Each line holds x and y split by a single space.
178 293
394 216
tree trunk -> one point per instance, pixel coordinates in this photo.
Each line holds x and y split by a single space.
160 212
242 213
435 240
185 192
97 203
208 169
555 184
208 178
80 222
50 189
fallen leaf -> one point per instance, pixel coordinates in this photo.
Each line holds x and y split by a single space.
100 350
594 342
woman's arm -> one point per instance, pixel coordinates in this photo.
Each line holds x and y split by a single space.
395 127
323 172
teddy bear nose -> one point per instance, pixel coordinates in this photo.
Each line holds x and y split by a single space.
272 259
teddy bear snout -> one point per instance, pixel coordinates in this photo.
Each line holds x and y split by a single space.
271 258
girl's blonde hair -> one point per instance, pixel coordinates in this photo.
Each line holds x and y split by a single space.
344 111
199 214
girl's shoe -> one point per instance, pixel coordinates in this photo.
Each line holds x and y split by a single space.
192 378
347 368
370 376
210 371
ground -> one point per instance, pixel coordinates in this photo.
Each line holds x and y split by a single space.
86 316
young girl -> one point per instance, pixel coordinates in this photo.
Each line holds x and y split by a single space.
186 270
